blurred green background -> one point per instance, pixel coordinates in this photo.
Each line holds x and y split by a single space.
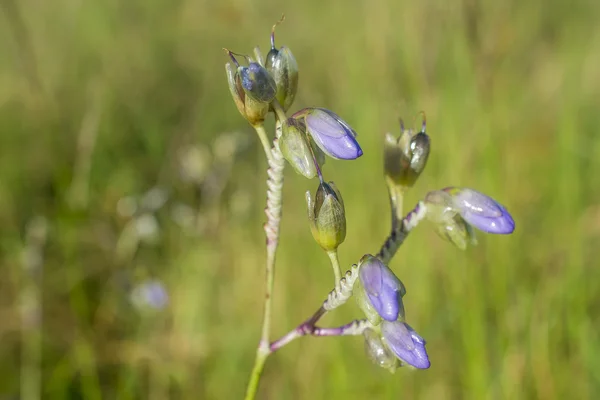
124 165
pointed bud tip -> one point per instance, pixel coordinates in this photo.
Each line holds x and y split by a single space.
482 211
406 343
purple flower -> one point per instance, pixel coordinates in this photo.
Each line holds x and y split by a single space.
405 343
330 133
150 294
382 288
481 211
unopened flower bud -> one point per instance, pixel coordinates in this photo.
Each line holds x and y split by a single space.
481 211
283 67
254 111
252 88
379 293
378 352
405 343
405 157
257 82
330 133
327 216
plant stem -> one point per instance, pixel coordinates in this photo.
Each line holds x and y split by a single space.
356 327
259 364
397 236
273 212
264 139
335 263
279 111
396 194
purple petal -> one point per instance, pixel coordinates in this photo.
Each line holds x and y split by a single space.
150 294
481 211
503 225
382 287
332 135
405 343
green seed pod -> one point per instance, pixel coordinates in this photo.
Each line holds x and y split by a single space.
327 216
405 157
295 149
283 67
254 111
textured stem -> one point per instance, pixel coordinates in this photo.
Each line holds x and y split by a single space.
273 212
397 236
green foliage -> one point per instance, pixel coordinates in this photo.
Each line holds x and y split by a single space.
104 100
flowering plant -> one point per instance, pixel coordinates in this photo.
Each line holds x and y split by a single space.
304 140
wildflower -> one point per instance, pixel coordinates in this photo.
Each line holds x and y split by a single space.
380 292
405 343
330 133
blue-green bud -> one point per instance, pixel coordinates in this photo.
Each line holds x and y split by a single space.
254 111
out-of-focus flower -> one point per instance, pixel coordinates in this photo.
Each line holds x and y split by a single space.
327 216
154 199
481 211
408 346
151 294
127 206
405 157
330 133
195 162
146 228
379 293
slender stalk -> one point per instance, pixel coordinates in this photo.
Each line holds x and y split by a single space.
273 212
259 364
335 263
264 140
278 111
356 327
396 194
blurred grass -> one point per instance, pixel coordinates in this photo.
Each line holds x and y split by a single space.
101 101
